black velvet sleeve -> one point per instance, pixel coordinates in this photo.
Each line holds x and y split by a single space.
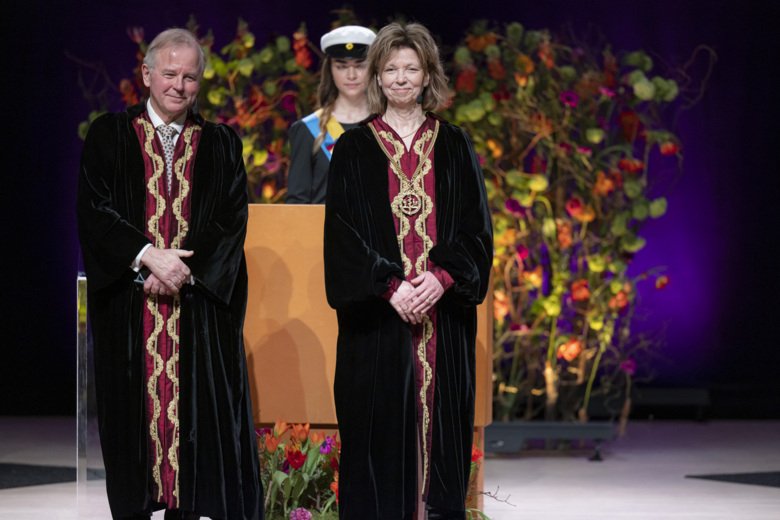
300 177
468 256
109 242
355 270
219 215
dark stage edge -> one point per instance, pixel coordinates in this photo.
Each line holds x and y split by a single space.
24 475
769 478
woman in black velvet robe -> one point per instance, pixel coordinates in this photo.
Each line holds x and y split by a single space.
380 303
218 473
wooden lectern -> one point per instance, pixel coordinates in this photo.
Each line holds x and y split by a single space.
290 331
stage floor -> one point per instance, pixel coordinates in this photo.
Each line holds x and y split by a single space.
643 475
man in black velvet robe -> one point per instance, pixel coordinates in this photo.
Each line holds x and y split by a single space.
375 370
162 222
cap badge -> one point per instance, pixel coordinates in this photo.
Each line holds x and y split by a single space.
349 46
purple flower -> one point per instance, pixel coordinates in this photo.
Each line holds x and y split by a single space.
328 445
513 207
262 431
288 103
300 514
569 98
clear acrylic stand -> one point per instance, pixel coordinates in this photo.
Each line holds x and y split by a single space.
90 473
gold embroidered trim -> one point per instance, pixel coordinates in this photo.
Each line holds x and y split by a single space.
173 407
427 378
153 226
158 165
151 388
416 188
184 187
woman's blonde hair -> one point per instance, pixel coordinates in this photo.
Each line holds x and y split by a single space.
416 37
326 100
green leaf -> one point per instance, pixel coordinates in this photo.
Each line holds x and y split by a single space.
248 40
594 135
269 87
516 179
673 91
538 183
632 187
463 56
639 60
567 72
266 55
83 129
658 207
617 266
216 97
279 477
220 67
549 229
495 119
597 263
283 44
245 67
636 76
290 65
640 210
552 306
644 90
620 224
632 244
514 33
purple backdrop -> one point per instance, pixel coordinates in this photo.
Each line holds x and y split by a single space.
718 310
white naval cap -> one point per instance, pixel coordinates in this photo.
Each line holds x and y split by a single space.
349 41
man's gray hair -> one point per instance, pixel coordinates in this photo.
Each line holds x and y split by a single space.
173 37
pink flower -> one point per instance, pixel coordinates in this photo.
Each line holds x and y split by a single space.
607 92
569 98
522 252
300 514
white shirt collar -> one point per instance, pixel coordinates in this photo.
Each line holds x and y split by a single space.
177 125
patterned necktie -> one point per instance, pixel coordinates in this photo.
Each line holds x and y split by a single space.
166 137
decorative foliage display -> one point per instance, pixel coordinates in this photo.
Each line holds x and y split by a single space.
569 137
566 136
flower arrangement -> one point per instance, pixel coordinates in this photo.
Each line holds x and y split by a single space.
299 469
567 136
299 472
